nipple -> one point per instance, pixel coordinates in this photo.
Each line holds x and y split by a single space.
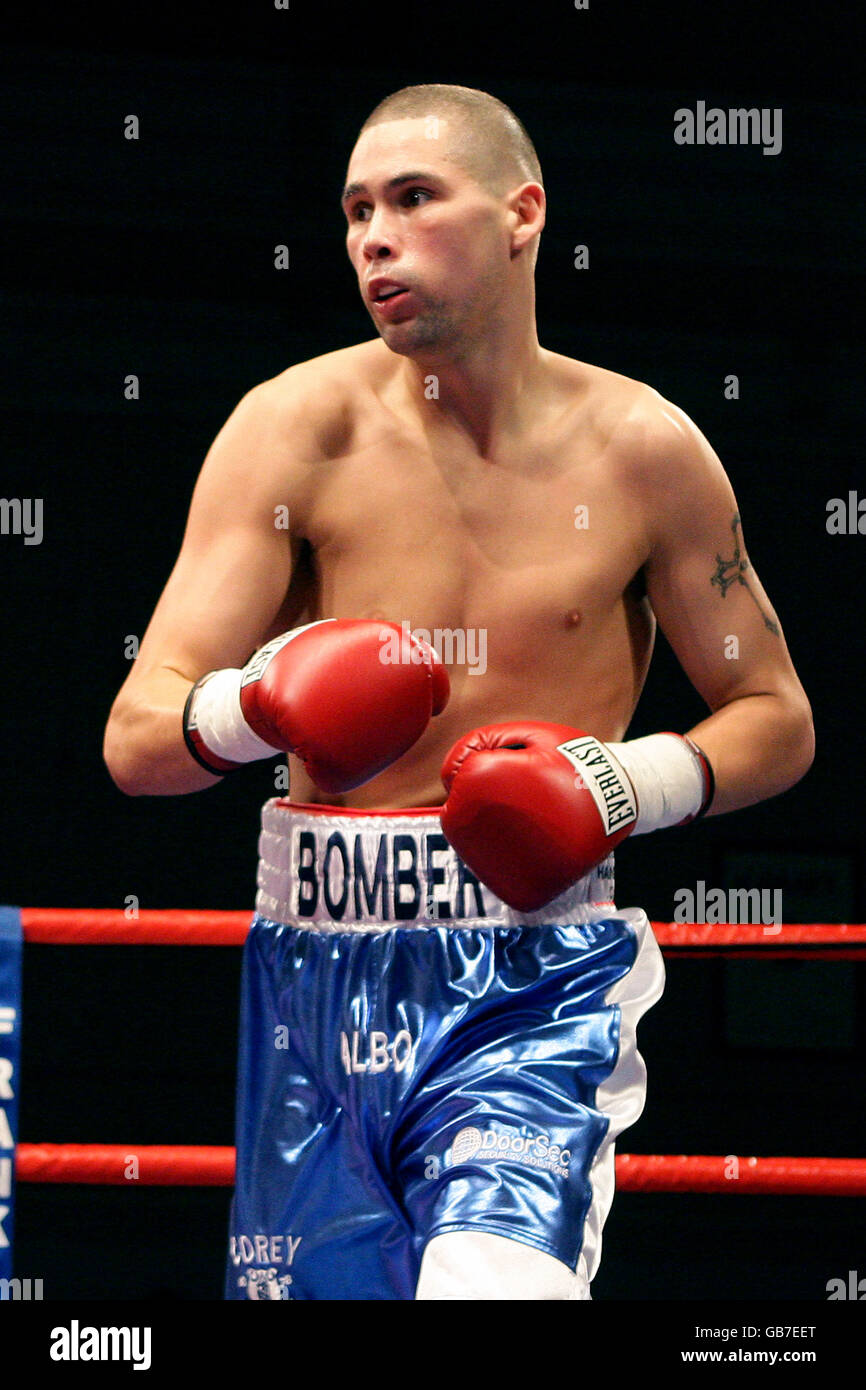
572 617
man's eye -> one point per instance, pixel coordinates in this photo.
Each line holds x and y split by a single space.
358 211
415 193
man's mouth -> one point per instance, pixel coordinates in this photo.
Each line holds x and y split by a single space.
382 291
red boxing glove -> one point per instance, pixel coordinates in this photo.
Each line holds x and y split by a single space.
533 807
332 693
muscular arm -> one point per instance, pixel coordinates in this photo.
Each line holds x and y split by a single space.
713 609
226 594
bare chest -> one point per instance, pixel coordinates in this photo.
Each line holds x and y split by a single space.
546 534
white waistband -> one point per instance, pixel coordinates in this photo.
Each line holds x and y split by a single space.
341 870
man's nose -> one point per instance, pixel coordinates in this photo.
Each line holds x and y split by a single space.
379 240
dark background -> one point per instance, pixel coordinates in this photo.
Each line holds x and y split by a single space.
156 257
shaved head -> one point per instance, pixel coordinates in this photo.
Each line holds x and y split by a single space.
444 208
481 133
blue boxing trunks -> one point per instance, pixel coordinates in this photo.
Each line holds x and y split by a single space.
418 1059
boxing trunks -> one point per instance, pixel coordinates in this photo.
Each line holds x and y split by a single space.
418 1059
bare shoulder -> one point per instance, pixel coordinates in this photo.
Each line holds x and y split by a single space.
316 403
642 432
270 450
660 448
653 453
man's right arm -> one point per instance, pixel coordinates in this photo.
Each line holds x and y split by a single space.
228 586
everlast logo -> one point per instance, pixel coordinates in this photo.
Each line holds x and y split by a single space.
411 876
255 667
604 779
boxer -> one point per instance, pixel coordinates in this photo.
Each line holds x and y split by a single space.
440 998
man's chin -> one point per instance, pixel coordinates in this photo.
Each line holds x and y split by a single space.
411 338
399 343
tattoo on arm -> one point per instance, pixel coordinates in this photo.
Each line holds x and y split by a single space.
731 571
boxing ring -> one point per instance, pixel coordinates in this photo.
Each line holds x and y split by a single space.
213 1166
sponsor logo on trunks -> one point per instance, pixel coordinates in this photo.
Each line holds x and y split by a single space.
266 1284
272 1254
466 1144
382 878
529 1147
382 1053
604 778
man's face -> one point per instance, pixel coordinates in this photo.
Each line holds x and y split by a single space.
429 245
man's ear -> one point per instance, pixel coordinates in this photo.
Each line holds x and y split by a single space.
528 207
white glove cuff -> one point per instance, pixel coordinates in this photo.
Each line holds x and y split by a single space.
216 725
671 777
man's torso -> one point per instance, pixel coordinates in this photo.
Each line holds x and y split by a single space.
523 566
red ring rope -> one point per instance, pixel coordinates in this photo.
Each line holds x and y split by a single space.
152 1165
174 927
197 1165
818 1177
109 926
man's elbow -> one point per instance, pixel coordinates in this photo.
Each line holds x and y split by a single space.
801 740
124 769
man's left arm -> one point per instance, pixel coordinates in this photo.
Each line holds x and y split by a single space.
532 807
711 606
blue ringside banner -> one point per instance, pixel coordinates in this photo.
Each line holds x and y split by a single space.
10 1071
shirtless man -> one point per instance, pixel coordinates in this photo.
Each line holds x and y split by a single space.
429 1111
